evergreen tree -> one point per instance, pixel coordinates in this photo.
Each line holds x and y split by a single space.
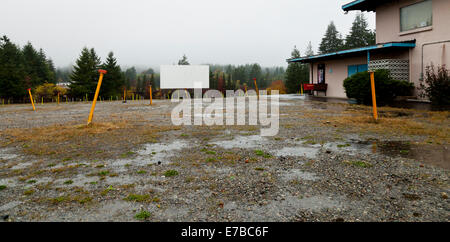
113 80
360 35
130 76
12 71
255 72
332 41
183 61
84 78
296 73
309 50
38 68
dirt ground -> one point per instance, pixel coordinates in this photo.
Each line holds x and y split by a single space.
329 162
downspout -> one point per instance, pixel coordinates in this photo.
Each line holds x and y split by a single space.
368 58
425 44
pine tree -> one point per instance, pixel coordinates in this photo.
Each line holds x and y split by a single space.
296 73
183 61
332 41
309 50
12 71
360 35
113 80
84 78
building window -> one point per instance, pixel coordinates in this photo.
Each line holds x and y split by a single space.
353 69
415 16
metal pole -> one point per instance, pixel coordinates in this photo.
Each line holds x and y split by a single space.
91 114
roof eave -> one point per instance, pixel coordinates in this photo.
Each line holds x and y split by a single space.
410 44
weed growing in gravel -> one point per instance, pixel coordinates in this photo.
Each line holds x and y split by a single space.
259 152
68 182
28 192
137 197
103 173
129 153
141 172
31 181
362 164
342 146
259 169
142 215
2 187
170 173
109 188
263 154
211 159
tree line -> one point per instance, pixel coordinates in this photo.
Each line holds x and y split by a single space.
359 36
22 68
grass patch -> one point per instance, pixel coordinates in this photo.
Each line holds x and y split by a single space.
137 198
259 152
129 153
259 169
2 187
143 215
211 159
171 173
263 154
107 190
103 173
141 172
362 164
31 181
68 182
28 192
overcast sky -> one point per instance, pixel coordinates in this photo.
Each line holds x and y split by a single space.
154 32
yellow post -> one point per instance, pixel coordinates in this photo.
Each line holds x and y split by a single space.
151 98
42 100
301 88
91 114
256 87
245 87
124 94
31 98
58 98
374 99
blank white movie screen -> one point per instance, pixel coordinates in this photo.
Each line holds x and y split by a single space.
184 76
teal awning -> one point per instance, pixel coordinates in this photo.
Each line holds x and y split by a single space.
307 59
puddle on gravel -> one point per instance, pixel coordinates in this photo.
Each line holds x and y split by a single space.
78 181
8 182
280 210
296 174
437 155
252 141
153 154
352 148
7 154
21 165
308 152
9 205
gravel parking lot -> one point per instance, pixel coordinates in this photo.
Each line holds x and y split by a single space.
329 162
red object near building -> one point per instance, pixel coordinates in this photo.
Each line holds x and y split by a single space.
308 87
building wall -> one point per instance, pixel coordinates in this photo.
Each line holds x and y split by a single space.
336 71
388 30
